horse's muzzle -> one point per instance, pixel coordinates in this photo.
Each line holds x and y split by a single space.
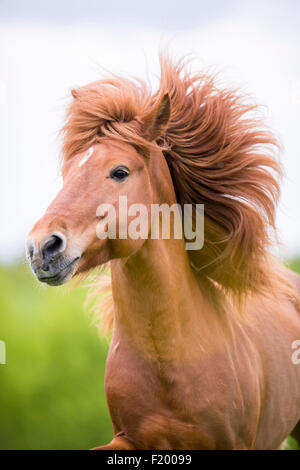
49 262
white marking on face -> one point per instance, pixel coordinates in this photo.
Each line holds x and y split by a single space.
86 156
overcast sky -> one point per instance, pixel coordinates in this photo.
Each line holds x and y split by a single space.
48 47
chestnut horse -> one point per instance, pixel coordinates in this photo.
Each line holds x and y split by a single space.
201 352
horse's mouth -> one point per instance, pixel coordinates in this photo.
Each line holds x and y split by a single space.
61 277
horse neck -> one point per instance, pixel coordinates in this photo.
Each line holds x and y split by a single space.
157 299
153 292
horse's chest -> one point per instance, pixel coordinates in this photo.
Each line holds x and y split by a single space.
153 408
131 386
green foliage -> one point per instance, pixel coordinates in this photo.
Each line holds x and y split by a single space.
52 387
294 264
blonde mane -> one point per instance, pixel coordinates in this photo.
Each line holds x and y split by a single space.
219 154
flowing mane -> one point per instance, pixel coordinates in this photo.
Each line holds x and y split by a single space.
219 154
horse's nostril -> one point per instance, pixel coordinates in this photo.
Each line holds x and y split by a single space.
54 245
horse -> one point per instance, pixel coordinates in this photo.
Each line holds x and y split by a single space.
202 340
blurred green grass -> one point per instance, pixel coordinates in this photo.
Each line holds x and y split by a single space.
52 387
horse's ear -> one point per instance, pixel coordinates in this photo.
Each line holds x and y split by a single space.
156 121
74 93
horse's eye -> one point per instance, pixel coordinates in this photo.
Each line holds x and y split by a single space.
120 173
